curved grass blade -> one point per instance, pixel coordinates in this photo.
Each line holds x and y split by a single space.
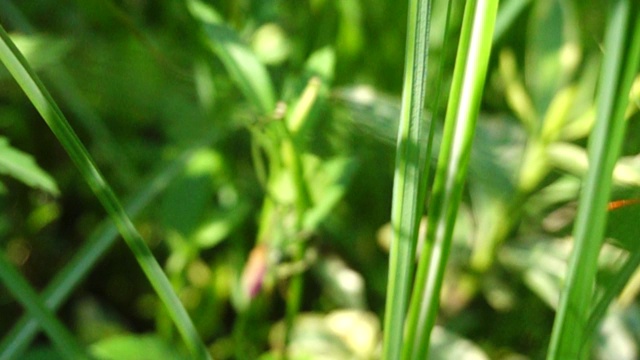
44 103
413 147
621 57
462 112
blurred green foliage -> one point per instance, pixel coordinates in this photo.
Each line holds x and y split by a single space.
141 81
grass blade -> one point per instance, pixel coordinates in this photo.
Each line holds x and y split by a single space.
621 56
26 295
70 95
413 148
17 340
42 100
462 112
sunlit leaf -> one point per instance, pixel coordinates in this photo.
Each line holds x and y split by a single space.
23 167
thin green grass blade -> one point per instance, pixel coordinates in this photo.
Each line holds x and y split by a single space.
413 316
621 56
413 148
630 265
462 111
27 296
18 339
42 100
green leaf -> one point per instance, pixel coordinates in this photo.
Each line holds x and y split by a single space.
573 159
271 44
241 63
553 51
23 167
41 51
328 183
135 347
184 203
220 225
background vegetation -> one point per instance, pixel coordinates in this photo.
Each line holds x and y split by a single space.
253 144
